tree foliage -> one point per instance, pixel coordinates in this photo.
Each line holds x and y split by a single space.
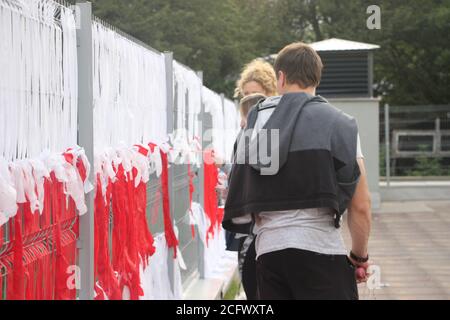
219 37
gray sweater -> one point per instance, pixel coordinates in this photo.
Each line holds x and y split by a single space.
310 162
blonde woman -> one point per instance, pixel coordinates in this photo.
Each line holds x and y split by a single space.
257 81
257 77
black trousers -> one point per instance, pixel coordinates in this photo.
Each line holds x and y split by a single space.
294 274
249 272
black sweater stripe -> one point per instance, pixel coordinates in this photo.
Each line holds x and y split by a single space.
305 181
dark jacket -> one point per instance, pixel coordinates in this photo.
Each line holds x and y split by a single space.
312 163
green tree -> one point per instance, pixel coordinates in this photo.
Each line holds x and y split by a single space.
213 36
219 37
413 64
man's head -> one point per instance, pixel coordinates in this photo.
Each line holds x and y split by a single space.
298 68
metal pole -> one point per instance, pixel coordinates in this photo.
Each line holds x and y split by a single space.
224 160
86 140
168 56
437 147
200 185
370 74
388 144
200 119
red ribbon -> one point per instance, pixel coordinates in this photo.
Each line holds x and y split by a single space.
10 293
145 238
61 261
39 279
119 230
1 236
81 170
43 245
191 192
171 238
1 286
129 212
131 252
210 195
30 285
45 265
103 269
18 278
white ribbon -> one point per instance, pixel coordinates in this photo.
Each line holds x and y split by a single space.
38 81
130 103
8 194
23 180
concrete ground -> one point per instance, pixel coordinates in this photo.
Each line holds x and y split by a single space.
410 243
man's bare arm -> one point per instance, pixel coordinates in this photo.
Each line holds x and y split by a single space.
360 215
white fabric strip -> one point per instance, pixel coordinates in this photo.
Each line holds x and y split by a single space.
232 127
38 82
213 105
38 103
129 92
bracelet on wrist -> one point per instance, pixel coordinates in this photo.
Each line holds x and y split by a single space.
358 259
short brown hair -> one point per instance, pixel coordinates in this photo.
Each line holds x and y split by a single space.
301 64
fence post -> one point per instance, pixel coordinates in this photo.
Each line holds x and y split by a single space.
168 57
438 139
224 160
387 144
201 179
86 140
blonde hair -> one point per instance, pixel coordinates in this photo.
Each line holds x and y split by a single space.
261 72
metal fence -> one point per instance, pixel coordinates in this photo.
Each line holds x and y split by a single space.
190 246
415 141
178 115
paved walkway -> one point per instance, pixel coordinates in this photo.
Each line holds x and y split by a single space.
411 244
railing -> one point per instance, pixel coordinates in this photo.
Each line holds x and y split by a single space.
415 141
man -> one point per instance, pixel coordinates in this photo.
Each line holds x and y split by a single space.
296 199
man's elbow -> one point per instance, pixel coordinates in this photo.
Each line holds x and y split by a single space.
362 206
